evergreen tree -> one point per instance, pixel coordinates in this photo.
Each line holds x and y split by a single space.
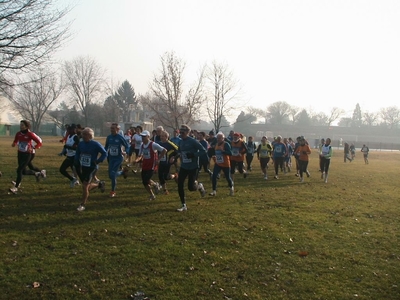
356 120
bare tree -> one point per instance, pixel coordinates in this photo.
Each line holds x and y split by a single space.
318 119
224 91
335 114
33 98
278 112
391 116
30 31
84 82
168 104
258 113
370 119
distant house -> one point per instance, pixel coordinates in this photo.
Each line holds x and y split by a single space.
8 116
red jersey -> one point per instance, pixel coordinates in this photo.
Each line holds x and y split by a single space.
149 157
24 141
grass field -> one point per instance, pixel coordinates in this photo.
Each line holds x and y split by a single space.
275 239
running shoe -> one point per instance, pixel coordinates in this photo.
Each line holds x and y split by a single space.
13 190
231 191
201 189
322 175
112 194
80 208
183 208
166 192
301 179
152 197
43 174
308 173
276 177
157 188
213 193
73 182
266 177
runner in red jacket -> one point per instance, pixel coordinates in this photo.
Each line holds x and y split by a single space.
23 139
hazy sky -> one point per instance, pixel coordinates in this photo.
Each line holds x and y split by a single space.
312 54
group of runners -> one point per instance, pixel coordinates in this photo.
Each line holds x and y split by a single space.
157 153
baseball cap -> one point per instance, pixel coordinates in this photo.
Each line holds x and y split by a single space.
145 133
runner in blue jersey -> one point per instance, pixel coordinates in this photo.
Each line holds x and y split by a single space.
86 163
114 144
189 151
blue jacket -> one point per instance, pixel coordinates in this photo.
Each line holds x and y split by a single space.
87 154
114 144
190 150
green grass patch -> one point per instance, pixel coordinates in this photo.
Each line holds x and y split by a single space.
275 239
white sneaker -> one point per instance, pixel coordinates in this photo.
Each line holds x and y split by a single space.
266 177
13 190
157 188
326 178
183 208
231 191
80 208
43 174
73 182
276 177
201 190
152 197
213 193
308 173
15 184
322 175
301 179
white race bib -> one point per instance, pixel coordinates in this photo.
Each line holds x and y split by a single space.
146 153
113 150
235 152
185 159
86 160
23 146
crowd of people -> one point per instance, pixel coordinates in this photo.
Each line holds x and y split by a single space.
187 151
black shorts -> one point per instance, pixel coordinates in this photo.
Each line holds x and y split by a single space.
86 174
264 162
146 176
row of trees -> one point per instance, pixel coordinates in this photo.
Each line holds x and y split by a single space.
82 84
90 100
283 113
